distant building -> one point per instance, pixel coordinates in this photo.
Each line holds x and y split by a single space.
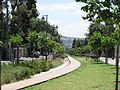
67 42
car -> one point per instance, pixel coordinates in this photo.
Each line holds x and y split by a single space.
36 54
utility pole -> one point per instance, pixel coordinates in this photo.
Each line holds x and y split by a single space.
46 48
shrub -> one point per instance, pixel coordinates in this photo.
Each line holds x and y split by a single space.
22 74
16 72
7 78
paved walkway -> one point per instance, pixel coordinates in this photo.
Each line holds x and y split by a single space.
110 60
68 66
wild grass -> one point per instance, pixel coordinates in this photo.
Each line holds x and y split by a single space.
25 69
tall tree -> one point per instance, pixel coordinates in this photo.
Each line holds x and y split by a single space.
105 30
16 41
21 15
104 10
73 45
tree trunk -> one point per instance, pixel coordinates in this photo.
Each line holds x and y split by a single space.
106 55
1 51
46 54
97 56
17 54
0 68
117 64
53 55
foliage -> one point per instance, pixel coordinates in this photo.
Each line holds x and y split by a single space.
95 27
33 36
39 25
73 45
21 14
99 10
75 51
87 48
32 31
108 41
10 73
95 41
25 69
56 47
16 39
77 43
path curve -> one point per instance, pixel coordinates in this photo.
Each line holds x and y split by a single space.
68 66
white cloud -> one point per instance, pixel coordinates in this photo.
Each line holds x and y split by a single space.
67 16
57 22
74 29
79 12
57 6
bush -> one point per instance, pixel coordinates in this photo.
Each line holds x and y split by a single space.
10 73
22 74
7 78
23 70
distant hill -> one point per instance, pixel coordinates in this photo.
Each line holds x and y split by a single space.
67 41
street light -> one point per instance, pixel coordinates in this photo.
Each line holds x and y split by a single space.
45 18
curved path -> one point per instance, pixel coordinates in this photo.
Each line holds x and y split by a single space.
69 65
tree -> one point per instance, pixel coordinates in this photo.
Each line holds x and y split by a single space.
95 43
95 27
108 42
42 40
77 43
40 25
105 30
104 11
56 48
21 15
73 45
16 40
33 38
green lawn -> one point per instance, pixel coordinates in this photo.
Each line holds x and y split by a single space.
90 76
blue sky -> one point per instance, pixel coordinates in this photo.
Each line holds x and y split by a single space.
66 14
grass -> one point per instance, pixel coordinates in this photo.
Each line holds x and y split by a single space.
90 76
25 69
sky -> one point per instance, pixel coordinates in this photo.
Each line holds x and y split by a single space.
66 14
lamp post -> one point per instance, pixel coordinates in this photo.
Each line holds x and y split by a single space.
45 18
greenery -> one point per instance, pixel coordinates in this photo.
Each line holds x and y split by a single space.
106 11
25 69
90 76
24 28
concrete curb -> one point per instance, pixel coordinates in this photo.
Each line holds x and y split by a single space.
68 66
